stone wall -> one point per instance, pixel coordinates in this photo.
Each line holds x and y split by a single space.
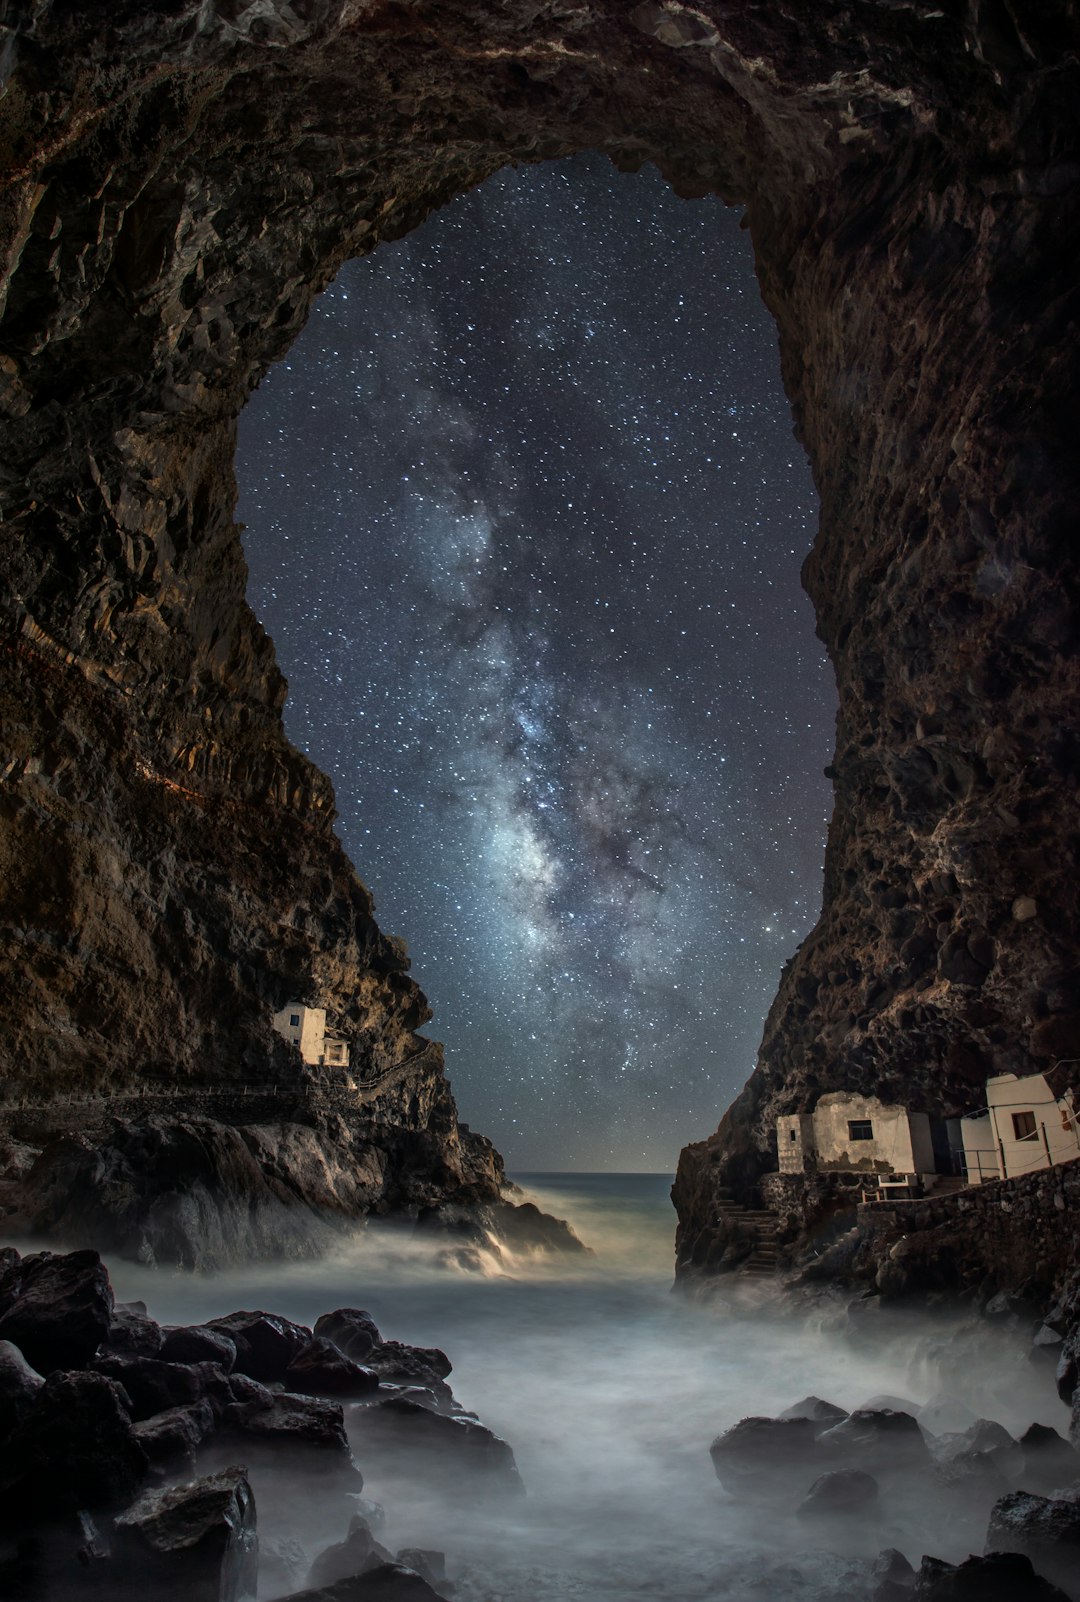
1017 1233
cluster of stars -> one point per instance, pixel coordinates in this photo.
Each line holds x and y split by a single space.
525 520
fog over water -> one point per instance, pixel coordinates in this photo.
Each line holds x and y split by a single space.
610 1390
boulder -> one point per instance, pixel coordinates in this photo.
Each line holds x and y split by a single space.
154 1386
892 1578
877 1438
1045 1529
1000 1577
453 1452
242 1389
841 1491
886 1403
291 1431
19 1384
322 1370
1050 1462
172 1439
352 1332
823 1414
74 1449
987 1439
56 1310
974 1475
357 1553
197 1343
425 1366
265 1343
766 1452
389 1582
194 1543
132 1332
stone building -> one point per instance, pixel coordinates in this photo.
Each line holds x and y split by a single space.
305 1028
860 1134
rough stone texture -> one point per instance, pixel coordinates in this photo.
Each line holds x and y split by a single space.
56 1310
1045 1529
998 1577
1015 1232
459 1455
194 1543
181 179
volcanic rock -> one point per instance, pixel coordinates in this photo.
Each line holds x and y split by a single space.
171 1439
823 1414
1047 1530
265 1343
357 1553
764 1451
1049 1461
194 1543
892 1578
300 1429
56 1310
456 1453
986 1438
840 1491
999 1577
352 1332
75 1448
389 1582
431 1566
19 1385
133 1333
881 1439
154 1386
197 1343
320 1369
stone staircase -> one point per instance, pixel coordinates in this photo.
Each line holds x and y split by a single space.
765 1257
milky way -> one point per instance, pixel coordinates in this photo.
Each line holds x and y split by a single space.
525 520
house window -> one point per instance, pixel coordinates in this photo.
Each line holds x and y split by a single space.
1023 1126
792 1134
294 1020
860 1129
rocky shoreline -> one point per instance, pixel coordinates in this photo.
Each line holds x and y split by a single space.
198 1192
122 1442
225 1460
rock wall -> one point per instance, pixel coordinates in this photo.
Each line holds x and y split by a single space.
181 179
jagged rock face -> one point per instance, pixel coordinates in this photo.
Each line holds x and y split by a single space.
183 178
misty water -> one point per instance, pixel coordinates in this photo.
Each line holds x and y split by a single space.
610 1389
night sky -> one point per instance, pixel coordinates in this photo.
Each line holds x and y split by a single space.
525 519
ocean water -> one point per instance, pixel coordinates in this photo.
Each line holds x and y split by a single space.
610 1388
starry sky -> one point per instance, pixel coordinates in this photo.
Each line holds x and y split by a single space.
525 519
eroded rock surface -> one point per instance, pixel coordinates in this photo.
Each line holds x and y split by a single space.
180 181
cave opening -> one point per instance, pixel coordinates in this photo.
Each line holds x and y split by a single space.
525 519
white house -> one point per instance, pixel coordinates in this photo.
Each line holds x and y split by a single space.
305 1027
858 1134
1024 1127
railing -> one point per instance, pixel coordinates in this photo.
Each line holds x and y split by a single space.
108 1103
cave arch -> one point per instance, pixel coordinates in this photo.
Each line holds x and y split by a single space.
182 180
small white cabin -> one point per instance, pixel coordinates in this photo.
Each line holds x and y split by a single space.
305 1028
1024 1127
859 1134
